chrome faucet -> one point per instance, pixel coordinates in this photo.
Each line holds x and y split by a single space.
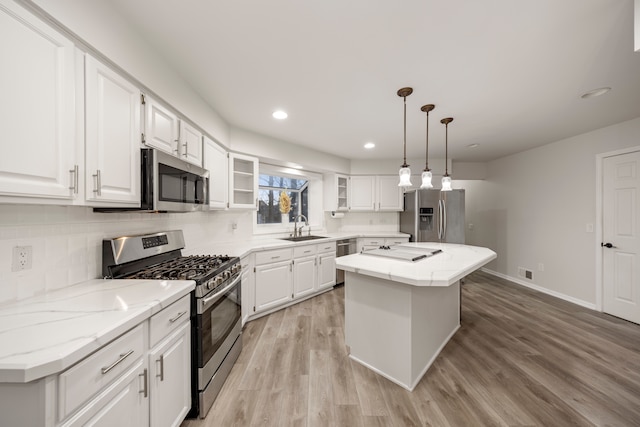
298 231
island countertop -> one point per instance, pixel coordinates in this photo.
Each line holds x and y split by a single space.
442 269
46 334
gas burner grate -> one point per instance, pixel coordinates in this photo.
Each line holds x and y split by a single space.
193 267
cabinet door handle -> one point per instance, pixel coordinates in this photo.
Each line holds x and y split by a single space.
98 189
177 317
161 360
275 257
176 150
74 186
145 388
186 149
114 364
306 252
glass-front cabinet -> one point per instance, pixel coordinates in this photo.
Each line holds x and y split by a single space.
243 181
336 192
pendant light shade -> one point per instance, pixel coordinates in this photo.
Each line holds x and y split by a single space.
405 172
426 173
446 179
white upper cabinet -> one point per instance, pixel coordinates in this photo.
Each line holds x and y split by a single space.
40 157
243 181
336 192
388 195
362 193
113 134
161 127
190 143
375 193
165 131
216 161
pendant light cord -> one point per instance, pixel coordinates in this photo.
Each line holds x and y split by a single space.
426 167
446 149
404 164
446 122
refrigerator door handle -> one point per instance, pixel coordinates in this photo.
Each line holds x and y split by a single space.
444 220
439 219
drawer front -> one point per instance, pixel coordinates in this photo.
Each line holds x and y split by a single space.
326 247
169 319
304 251
372 241
389 241
267 257
79 383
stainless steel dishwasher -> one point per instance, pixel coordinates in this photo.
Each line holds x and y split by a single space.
344 247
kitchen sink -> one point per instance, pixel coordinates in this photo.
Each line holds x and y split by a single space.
303 238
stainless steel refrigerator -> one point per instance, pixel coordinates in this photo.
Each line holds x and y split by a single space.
433 216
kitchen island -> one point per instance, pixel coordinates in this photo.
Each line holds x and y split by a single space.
402 305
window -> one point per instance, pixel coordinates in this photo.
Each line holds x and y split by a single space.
270 188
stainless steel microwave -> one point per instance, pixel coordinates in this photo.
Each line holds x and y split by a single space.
169 184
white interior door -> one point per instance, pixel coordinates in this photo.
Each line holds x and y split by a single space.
621 243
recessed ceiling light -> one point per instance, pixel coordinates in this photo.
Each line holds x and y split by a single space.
369 145
595 92
280 115
473 145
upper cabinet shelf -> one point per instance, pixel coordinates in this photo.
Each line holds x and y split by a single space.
243 181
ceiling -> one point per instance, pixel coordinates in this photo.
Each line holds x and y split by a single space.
510 73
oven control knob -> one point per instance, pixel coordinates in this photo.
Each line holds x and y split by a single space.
219 279
208 285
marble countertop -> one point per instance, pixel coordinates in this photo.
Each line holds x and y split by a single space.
443 269
245 247
46 334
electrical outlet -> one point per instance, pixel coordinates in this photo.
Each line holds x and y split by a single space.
21 258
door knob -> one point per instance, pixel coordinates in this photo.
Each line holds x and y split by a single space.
607 245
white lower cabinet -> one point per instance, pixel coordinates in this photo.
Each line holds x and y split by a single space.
305 267
284 276
170 379
124 403
273 285
327 270
142 378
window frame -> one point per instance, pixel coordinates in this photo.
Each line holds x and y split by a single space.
314 188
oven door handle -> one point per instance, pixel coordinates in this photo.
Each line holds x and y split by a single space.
205 302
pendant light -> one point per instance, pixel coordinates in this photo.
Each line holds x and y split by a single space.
405 172
426 173
446 179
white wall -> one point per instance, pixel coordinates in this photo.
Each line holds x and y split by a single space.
283 153
534 207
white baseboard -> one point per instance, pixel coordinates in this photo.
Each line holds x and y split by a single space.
529 285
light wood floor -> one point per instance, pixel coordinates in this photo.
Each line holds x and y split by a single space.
521 358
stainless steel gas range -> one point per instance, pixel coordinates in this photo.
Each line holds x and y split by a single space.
216 323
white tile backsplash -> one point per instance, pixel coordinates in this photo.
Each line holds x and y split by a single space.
363 221
67 241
